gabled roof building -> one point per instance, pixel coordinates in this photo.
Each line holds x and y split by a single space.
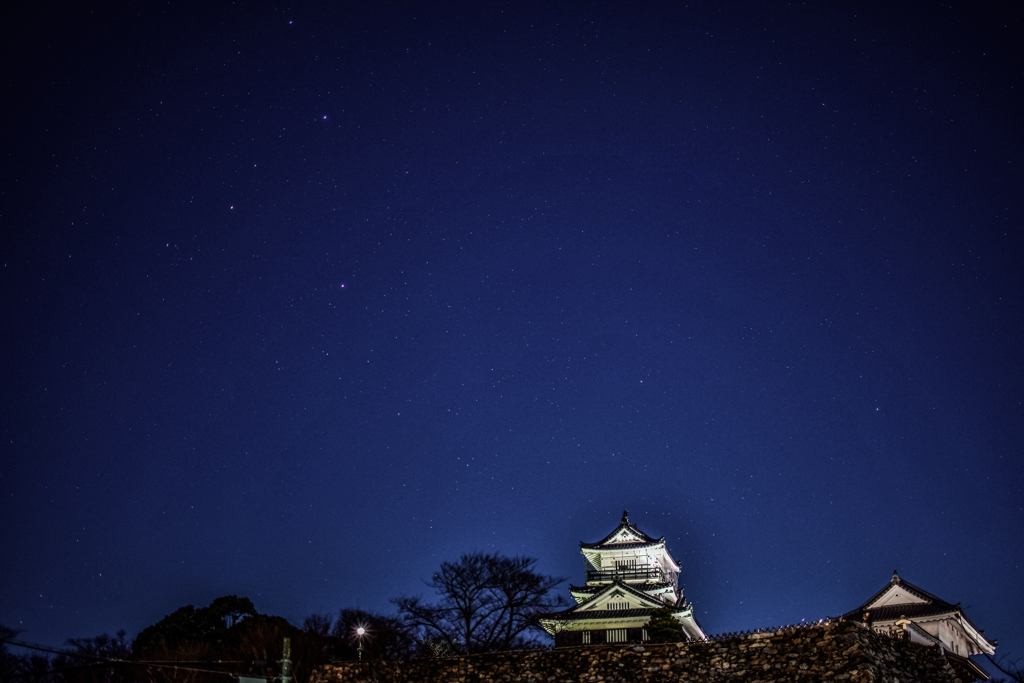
628 574
926 619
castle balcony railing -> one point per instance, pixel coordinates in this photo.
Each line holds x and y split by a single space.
628 575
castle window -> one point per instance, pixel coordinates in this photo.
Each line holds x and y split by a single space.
618 605
617 635
586 637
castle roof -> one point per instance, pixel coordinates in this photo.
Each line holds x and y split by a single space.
624 536
646 586
590 608
879 601
901 599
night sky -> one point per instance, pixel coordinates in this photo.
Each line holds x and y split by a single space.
299 302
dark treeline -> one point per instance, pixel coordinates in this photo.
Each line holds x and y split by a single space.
483 602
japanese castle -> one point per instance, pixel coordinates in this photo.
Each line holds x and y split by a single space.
902 606
629 574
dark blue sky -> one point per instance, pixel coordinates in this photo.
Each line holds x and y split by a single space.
299 302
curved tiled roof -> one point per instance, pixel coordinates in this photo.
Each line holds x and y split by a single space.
909 610
624 524
931 604
580 611
910 588
623 546
570 615
635 589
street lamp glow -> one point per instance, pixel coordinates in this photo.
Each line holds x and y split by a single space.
360 632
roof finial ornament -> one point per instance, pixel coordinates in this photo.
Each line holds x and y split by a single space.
625 517
895 576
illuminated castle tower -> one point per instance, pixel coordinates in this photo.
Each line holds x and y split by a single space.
628 575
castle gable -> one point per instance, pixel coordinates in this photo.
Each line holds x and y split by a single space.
619 596
926 618
625 535
896 595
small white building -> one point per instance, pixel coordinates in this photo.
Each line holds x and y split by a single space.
628 574
902 606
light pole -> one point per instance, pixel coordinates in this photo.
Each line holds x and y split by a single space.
286 662
360 632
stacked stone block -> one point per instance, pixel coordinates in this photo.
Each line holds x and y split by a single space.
837 651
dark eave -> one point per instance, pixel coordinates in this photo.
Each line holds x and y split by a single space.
575 614
598 614
913 610
600 545
648 586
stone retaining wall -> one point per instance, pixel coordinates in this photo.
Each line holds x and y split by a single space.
838 651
